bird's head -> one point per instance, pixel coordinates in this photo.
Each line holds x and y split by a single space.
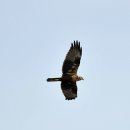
80 78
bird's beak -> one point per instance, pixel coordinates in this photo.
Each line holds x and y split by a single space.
82 78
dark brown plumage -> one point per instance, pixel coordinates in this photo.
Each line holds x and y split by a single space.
69 71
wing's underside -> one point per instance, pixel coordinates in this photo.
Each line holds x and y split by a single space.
72 60
69 89
70 67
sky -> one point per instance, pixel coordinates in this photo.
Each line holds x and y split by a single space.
35 36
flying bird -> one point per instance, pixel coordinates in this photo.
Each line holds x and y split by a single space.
69 71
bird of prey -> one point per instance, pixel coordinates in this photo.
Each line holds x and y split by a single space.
69 71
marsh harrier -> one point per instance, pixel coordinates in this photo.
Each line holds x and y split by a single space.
69 71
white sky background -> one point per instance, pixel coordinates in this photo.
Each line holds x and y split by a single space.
35 36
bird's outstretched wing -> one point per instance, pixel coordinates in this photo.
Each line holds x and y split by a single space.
72 60
70 67
69 89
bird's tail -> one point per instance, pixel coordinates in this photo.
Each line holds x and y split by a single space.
53 79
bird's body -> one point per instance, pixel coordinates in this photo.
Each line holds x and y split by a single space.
69 70
66 78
